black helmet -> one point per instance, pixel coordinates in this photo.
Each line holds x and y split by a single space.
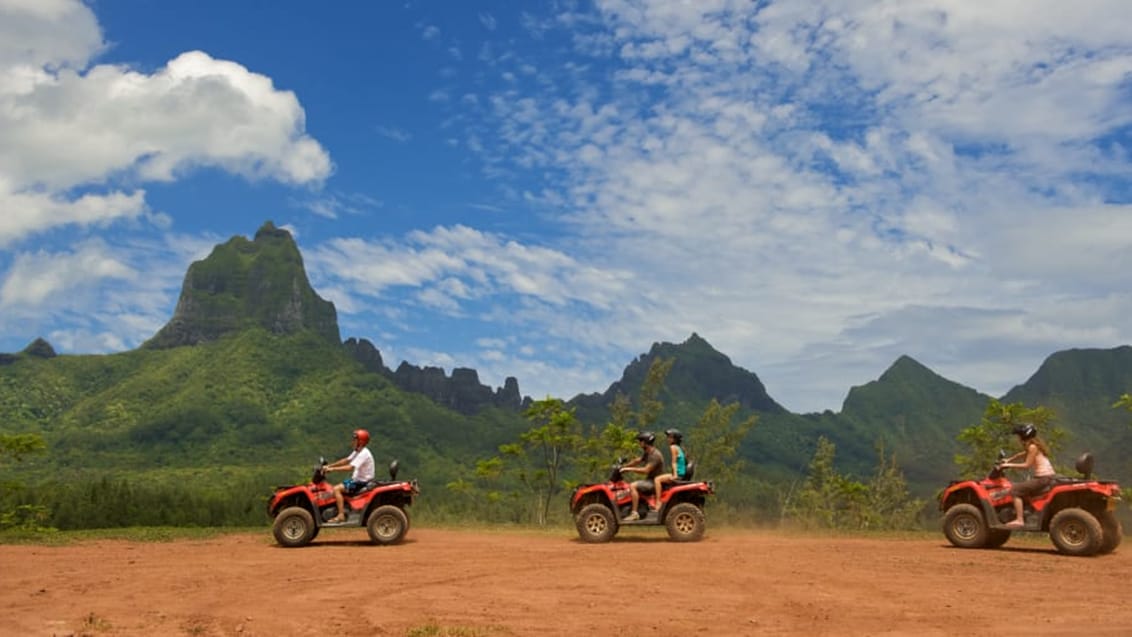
647 436
676 435
1025 432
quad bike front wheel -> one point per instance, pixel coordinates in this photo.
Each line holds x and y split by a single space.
294 527
685 522
964 526
387 525
1075 531
595 523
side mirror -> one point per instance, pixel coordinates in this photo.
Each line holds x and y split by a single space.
393 470
1084 465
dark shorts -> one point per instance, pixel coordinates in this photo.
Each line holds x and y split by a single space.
351 486
1031 487
644 486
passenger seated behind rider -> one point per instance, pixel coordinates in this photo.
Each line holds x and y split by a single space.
360 461
679 462
1037 461
651 463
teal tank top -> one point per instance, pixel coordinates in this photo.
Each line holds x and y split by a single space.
681 463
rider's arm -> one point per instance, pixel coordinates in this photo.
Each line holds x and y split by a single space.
345 464
675 454
1031 455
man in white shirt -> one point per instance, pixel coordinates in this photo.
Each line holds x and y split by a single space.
360 461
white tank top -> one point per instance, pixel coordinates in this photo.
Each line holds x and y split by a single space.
1042 466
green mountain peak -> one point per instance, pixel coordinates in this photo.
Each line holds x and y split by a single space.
699 373
243 284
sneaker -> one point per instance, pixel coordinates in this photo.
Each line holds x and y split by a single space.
632 516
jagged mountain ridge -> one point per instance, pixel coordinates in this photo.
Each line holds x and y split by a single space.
916 412
462 391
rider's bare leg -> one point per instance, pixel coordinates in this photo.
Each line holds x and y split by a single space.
636 502
341 499
1019 518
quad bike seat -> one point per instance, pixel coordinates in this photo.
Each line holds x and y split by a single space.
689 471
373 484
369 487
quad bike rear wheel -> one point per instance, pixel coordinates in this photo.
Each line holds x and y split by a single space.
965 527
1113 532
1075 531
387 524
685 522
294 527
595 523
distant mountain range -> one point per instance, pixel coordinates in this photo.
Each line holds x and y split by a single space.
252 359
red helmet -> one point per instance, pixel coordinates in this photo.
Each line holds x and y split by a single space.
362 436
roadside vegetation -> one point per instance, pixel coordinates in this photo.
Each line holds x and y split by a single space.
524 482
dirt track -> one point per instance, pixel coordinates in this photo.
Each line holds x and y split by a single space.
486 583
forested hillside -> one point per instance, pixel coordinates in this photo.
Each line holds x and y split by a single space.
248 384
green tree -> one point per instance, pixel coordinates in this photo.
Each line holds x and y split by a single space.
13 512
822 493
714 442
17 446
542 454
617 439
995 433
1125 402
888 505
831 500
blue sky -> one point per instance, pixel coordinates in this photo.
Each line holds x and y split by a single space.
543 190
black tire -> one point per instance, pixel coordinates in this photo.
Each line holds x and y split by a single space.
294 527
595 523
1075 531
685 523
1113 532
387 524
965 527
996 538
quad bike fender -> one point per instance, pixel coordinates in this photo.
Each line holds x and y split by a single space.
592 493
1092 497
398 494
963 492
290 496
969 492
701 488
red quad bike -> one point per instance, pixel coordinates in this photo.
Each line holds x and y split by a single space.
1078 513
301 511
599 508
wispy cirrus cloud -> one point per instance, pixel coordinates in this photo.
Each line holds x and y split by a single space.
849 177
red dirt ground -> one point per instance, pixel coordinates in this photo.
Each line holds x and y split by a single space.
488 583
